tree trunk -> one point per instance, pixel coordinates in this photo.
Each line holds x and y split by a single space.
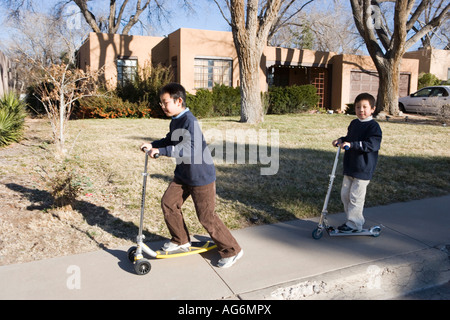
250 33
251 104
389 76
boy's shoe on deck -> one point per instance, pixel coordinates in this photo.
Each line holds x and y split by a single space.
170 246
228 262
346 229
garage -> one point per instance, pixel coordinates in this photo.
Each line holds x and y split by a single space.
367 81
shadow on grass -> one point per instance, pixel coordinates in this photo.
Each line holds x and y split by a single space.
299 187
94 215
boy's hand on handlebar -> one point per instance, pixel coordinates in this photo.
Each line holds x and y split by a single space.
154 153
146 146
336 142
343 145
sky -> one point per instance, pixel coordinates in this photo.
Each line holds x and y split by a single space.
205 15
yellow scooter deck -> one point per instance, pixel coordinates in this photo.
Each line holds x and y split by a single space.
196 247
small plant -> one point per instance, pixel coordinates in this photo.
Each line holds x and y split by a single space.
64 189
62 181
12 119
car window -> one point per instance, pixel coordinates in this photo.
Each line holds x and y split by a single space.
439 92
425 92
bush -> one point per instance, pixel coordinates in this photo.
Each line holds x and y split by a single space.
12 119
145 89
226 100
201 104
292 99
110 107
426 80
222 100
278 101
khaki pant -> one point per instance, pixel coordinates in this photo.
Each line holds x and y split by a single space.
204 198
353 194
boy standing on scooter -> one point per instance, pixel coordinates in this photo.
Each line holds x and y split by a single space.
194 176
363 141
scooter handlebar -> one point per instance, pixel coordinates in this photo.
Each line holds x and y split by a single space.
156 155
345 148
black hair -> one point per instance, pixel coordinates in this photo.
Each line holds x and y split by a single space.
366 96
175 90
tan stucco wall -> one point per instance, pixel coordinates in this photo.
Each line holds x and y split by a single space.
106 48
432 60
188 44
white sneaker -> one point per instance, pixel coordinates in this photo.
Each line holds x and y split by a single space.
228 262
170 246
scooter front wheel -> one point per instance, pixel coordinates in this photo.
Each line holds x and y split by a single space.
317 233
130 253
142 267
375 231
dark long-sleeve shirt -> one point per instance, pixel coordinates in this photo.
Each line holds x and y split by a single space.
362 157
185 143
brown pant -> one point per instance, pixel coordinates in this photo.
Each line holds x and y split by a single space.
204 198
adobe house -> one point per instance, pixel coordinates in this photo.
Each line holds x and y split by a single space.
200 58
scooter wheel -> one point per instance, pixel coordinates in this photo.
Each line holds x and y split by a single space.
142 267
130 253
375 231
317 233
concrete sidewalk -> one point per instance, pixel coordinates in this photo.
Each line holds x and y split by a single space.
281 261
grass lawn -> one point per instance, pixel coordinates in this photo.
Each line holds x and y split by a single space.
414 163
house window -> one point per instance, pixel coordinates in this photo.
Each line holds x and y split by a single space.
211 71
126 70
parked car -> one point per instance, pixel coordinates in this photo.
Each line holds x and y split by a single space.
426 100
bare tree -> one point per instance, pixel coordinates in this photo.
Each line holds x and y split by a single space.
119 16
42 37
116 15
387 42
250 24
329 24
58 87
289 11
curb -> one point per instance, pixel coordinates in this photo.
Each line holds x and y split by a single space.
382 279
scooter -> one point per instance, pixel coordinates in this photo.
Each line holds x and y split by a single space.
323 222
142 265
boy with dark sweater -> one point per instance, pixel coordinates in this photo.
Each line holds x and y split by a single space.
363 140
194 176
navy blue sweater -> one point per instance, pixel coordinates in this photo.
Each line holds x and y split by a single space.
185 143
365 139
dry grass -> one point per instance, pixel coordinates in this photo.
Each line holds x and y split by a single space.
104 154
